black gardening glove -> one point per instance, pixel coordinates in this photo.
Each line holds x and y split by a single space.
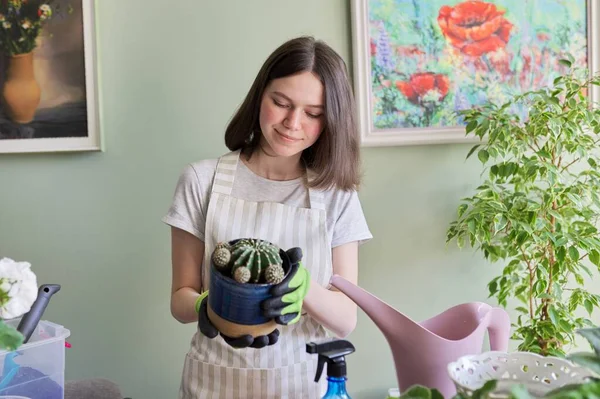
245 341
286 304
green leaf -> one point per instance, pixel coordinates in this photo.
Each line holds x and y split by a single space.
553 315
518 391
544 154
587 360
10 338
589 306
592 335
521 290
561 254
595 257
470 126
483 156
500 222
472 150
573 253
589 390
565 325
493 286
487 388
522 310
421 392
471 226
561 241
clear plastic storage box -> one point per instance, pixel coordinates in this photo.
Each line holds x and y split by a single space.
36 370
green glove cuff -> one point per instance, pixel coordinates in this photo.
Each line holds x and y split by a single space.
301 283
199 301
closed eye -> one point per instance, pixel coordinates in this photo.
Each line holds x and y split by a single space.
279 104
282 105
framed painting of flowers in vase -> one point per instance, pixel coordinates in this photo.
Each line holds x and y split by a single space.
48 84
416 63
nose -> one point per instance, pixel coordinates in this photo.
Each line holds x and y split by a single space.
292 120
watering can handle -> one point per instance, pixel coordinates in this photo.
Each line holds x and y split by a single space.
499 330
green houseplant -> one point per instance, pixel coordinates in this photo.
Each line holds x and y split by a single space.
536 210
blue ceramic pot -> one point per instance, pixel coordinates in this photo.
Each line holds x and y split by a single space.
234 308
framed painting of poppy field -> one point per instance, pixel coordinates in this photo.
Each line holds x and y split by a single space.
48 79
416 63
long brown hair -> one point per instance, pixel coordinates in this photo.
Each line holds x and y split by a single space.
334 157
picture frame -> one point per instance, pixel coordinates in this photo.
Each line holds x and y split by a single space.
64 66
402 133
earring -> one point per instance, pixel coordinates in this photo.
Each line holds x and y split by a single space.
249 138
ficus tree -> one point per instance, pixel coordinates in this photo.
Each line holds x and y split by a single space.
535 211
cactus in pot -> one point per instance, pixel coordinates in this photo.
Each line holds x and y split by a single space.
274 274
249 260
255 256
221 256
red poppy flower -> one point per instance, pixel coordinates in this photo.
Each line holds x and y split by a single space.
474 27
420 84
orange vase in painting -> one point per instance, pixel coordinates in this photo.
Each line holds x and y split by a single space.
21 93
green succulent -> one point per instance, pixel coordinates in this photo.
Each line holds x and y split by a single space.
255 255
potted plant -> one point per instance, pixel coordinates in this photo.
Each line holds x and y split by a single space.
20 24
242 274
535 213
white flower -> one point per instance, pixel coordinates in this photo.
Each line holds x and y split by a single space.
6 25
20 283
26 24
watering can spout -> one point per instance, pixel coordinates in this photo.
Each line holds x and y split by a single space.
383 315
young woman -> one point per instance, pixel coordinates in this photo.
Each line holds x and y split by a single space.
291 178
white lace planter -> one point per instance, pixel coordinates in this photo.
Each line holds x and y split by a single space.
537 373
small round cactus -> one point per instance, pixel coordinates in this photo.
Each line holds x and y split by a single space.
221 257
274 274
223 244
242 274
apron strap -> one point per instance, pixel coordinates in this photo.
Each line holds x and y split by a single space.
225 173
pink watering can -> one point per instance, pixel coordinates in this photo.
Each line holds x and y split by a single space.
423 350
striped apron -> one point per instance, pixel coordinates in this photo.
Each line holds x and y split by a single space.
212 368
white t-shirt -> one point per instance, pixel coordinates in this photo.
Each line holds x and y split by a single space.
345 219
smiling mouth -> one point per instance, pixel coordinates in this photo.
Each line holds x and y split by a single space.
286 137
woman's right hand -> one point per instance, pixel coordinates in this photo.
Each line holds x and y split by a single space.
245 341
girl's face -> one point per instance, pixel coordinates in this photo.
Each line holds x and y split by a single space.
291 114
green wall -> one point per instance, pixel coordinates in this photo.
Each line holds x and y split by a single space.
171 75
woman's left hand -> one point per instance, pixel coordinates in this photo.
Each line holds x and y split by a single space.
286 304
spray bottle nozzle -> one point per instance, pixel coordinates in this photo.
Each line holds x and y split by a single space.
332 351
